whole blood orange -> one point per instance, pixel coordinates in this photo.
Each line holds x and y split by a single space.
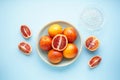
71 34
54 29
71 51
55 56
59 42
45 43
92 43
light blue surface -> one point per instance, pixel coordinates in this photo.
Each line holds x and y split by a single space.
16 66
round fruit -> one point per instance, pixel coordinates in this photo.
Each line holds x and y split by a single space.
59 42
71 51
54 29
45 43
71 34
25 31
92 43
94 61
55 56
25 47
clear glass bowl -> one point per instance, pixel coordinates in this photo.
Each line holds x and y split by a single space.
92 18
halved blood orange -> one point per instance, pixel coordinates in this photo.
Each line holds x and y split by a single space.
94 61
59 42
92 43
25 47
25 31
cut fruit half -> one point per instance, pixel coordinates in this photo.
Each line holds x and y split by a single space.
92 43
59 42
25 48
94 61
25 31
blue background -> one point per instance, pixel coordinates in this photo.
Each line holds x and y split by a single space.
16 66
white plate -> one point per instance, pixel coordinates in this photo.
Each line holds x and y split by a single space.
43 54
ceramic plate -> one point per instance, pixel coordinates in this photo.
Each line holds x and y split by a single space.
43 54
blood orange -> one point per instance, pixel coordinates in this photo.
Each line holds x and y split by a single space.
70 51
70 33
45 43
94 61
25 47
55 56
25 31
55 29
59 42
92 43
